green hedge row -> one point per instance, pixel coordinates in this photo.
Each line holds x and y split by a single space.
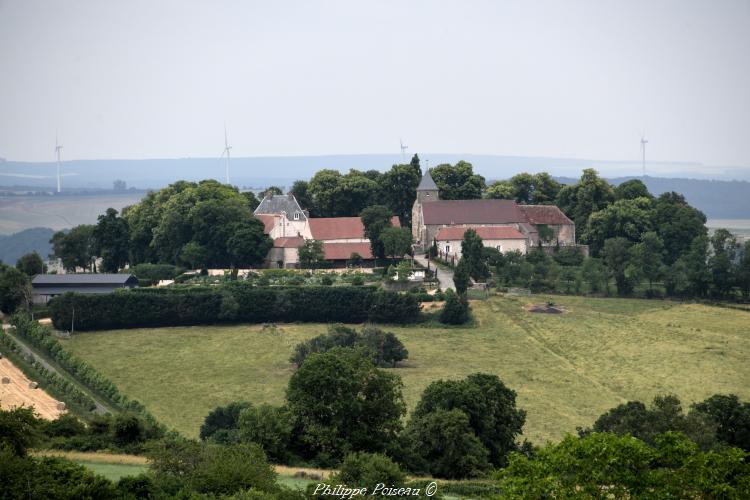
231 303
56 386
39 337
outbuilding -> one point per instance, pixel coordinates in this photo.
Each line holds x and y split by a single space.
46 286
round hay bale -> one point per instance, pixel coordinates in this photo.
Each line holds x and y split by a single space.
6 380
33 385
61 405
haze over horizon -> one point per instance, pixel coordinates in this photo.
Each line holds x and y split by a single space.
553 79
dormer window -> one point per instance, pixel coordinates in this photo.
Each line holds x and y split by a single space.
296 215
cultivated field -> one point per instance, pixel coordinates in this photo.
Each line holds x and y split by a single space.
567 369
57 212
19 393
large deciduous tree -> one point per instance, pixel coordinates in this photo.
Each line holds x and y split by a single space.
458 182
112 240
617 258
472 252
398 188
590 194
75 248
627 219
376 218
396 241
15 289
31 264
311 255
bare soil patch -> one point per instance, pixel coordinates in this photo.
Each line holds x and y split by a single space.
19 392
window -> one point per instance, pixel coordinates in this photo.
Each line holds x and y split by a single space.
296 215
447 249
499 248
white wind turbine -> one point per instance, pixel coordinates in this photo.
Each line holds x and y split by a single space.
58 149
404 147
227 147
643 150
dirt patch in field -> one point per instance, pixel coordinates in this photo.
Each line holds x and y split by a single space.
431 306
19 393
544 309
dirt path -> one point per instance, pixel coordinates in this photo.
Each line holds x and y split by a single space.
19 393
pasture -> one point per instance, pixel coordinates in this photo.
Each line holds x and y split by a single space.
567 369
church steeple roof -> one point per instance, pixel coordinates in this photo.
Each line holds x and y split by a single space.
427 184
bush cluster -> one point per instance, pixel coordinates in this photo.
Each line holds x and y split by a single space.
383 348
234 302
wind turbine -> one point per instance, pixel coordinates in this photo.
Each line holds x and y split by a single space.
227 147
643 150
403 149
58 149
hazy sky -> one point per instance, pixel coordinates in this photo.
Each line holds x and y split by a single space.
582 79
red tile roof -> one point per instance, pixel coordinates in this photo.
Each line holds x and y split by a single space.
472 212
486 233
544 214
340 228
268 222
342 251
289 242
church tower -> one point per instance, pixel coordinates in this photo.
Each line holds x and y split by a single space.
427 191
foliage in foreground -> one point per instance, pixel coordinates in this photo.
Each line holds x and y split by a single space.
606 465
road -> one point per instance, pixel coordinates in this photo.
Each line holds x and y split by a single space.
445 276
101 409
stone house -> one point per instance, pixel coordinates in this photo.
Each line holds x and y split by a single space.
503 238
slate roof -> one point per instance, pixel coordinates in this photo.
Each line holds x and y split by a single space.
486 233
342 251
427 184
84 279
278 203
452 212
340 228
544 214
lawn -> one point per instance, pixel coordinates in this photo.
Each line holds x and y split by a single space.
567 369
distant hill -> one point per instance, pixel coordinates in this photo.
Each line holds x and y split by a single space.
29 240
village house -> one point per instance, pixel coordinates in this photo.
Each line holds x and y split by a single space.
290 226
502 224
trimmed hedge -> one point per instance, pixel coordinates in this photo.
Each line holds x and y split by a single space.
48 381
39 337
231 303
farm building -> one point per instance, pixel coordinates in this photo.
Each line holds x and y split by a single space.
431 217
504 238
46 286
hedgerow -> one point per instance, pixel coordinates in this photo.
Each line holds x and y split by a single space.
230 303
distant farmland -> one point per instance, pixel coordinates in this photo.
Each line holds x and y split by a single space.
57 212
567 369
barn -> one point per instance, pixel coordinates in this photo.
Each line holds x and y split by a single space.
46 286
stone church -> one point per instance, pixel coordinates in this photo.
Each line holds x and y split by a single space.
502 224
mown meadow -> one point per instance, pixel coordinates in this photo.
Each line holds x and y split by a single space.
567 369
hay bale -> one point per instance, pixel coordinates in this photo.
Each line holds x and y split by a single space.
300 474
6 380
61 406
315 476
33 385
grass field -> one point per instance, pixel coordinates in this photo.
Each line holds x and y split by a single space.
567 369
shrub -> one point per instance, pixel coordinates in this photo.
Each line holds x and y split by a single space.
366 470
383 348
358 281
268 426
221 424
326 280
456 309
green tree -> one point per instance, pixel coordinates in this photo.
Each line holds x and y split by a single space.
271 191
75 247
695 263
31 264
647 257
268 426
743 274
375 219
627 219
632 189
458 182
594 273
443 444
322 190
398 187
20 429
722 261
678 224
461 277
366 470
456 309
301 192
500 190
15 289
617 258
112 240
472 252
540 189
247 245
344 404
590 194
311 254
396 241
731 416
489 405
222 423
251 200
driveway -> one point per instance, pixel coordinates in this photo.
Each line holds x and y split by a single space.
444 276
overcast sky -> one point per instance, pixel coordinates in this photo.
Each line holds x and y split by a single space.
580 79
